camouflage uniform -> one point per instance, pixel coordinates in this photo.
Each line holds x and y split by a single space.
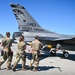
21 54
35 53
7 52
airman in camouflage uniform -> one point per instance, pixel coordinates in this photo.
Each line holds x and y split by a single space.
36 45
7 43
21 54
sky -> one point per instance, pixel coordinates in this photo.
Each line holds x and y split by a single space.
54 15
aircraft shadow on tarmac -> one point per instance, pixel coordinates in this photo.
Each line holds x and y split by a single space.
45 68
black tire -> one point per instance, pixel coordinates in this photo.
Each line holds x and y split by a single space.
53 53
65 54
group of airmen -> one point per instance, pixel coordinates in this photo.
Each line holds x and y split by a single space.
21 53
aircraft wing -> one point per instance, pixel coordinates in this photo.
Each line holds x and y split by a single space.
62 39
55 38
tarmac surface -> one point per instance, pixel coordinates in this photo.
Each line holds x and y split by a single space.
48 65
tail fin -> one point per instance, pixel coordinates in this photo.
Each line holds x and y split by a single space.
25 20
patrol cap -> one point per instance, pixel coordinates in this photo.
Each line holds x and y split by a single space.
36 37
7 33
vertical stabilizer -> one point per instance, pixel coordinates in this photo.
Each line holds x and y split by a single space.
25 20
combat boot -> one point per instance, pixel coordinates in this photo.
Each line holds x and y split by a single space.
35 69
8 65
13 69
8 68
23 69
